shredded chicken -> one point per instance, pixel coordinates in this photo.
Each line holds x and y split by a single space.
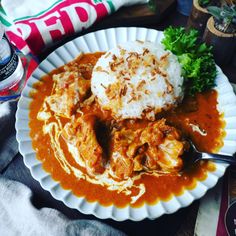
81 134
70 89
156 147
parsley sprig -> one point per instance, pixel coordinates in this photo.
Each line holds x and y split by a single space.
198 65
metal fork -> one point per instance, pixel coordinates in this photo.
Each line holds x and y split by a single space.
193 155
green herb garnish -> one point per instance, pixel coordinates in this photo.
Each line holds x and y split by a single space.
198 65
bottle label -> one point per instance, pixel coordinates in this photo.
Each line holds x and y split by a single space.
8 59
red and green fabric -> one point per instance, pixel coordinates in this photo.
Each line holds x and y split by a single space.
34 25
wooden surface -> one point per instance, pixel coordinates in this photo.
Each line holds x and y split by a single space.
139 14
180 223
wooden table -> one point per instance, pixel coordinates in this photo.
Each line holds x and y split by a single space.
180 223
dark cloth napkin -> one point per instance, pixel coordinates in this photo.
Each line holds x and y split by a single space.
18 216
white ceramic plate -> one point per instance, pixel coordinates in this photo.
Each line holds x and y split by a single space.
104 40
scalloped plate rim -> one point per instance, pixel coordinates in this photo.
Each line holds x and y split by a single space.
118 211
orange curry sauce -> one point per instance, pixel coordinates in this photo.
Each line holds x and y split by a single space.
201 110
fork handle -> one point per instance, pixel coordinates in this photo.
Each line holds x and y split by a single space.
220 157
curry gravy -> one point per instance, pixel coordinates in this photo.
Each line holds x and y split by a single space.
200 112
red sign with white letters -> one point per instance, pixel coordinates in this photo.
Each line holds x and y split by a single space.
33 33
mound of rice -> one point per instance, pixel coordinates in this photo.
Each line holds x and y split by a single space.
137 80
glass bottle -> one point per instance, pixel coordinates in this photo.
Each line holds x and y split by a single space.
11 68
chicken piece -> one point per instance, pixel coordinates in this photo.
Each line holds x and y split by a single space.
164 147
123 148
156 147
81 134
122 166
69 90
171 150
